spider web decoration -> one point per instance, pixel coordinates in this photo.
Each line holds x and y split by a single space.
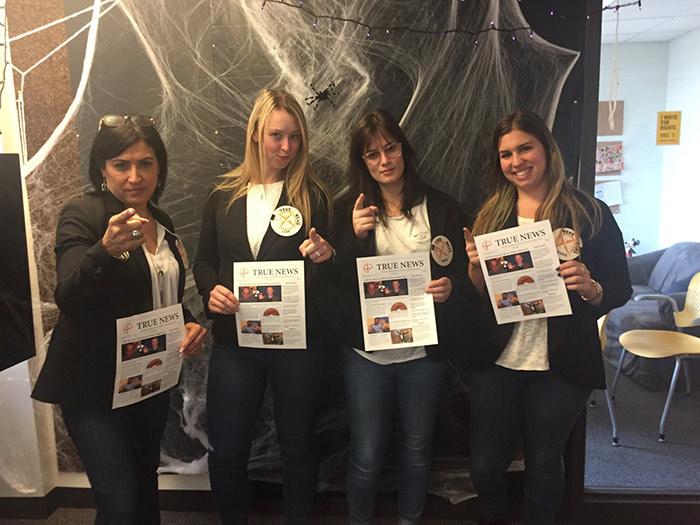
322 96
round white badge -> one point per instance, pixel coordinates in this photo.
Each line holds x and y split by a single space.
286 221
567 243
441 250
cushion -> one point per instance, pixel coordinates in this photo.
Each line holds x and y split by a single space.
677 263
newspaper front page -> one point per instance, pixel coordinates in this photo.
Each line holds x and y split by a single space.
396 311
148 354
272 304
519 266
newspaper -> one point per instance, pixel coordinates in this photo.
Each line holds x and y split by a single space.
148 360
396 311
272 305
519 266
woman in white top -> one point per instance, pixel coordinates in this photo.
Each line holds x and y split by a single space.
532 378
391 211
239 224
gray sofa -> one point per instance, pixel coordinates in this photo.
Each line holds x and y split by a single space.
667 272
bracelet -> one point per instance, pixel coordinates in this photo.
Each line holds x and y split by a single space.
123 257
599 291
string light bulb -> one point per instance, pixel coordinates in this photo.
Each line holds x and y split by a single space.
442 32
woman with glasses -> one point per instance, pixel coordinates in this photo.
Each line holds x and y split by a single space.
531 379
239 224
116 256
391 211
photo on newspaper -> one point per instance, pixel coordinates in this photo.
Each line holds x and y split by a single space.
272 305
519 266
148 354
396 311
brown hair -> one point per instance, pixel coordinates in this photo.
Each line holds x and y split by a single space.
380 122
562 200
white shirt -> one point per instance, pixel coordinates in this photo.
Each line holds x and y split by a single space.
527 346
261 201
165 272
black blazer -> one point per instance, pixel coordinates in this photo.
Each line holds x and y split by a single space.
93 289
573 343
224 240
456 317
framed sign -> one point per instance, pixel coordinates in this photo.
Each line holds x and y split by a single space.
668 128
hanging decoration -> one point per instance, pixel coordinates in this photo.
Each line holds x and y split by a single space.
389 29
322 96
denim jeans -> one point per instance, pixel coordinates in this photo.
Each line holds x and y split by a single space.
236 384
376 394
542 409
120 450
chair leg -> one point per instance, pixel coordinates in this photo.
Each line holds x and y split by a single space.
671 388
612 418
617 374
686 370
592 401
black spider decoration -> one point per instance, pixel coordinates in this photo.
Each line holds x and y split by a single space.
322 96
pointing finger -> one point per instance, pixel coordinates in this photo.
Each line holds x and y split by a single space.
315 237
468 237
359 203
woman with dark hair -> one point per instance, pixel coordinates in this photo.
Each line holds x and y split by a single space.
532 378
238 225
116 256
391 211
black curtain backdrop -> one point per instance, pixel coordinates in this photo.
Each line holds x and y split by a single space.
16 326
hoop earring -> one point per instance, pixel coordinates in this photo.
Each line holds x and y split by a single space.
104 187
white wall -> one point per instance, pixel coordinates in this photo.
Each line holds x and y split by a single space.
680 196
642 85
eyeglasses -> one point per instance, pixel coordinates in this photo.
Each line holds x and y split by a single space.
391 150
114 121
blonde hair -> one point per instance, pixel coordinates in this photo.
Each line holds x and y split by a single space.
562 201
300 178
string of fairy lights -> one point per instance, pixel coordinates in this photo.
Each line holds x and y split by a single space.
388 29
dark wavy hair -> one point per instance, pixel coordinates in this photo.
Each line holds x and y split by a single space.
562 200
381 122
112 141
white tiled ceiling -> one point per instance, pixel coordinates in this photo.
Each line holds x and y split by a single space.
656 21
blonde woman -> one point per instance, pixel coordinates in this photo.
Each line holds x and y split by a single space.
236 226
532 378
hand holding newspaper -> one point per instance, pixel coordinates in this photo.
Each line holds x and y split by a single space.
519 266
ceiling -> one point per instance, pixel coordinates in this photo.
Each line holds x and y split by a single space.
656 21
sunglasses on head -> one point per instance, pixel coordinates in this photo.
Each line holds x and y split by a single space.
114 121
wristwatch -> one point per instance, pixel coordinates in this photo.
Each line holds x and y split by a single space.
598 289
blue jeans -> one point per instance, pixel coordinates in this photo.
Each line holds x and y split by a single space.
120 450
376 393
236 384
542 409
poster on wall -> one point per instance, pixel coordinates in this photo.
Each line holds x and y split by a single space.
610 193
608 158
610 115
668 128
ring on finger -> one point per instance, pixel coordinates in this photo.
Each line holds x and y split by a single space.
136 234
317 254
